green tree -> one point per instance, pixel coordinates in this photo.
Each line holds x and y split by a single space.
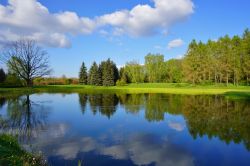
109 72
245 56
94 77
135 72
226 60
173 70
83 76
154 65
236 50
123 75
191 63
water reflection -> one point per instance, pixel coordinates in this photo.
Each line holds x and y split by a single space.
23 117
2 101
102 103
140 149
213 116
127 129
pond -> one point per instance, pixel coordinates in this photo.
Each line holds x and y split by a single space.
130 129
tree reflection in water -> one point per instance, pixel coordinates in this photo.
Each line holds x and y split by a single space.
24 117
102 103
2 101
211 115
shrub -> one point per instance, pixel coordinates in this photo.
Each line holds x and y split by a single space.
120 82
12 81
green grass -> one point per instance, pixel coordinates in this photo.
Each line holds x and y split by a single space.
12 154
171 88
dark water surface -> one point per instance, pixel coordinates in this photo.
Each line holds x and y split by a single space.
131 129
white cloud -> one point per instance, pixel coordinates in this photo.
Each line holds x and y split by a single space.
176 126
31 19
175 43
144 20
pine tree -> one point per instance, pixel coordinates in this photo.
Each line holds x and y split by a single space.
110 73
83 78
94 75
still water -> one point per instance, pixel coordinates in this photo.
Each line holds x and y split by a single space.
130 129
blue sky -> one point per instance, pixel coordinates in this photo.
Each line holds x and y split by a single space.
101 38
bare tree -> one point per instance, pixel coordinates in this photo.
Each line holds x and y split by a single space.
26 59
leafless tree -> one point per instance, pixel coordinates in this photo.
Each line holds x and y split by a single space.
26 59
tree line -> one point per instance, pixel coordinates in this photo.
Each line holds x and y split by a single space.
226 60
106 74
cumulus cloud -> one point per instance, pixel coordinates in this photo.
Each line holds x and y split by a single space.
144 20
175 43
31 19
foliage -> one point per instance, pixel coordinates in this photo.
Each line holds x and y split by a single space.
94 76
109 73
224 61
173 69
83 76
154 65
121 82
12 80
55 81
135 72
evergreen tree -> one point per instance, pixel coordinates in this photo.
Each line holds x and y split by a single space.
2 76
110 73
83 78
94 75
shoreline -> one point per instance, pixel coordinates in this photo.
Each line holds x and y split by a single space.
135 88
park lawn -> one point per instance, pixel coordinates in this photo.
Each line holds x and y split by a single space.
171 88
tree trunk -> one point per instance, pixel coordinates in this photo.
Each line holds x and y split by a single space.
209 76
227 79
234 79
29 82
247 79
215 80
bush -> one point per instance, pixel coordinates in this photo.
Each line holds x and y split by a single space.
12 81
120 82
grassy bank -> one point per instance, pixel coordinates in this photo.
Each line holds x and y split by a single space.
136 88
12 154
